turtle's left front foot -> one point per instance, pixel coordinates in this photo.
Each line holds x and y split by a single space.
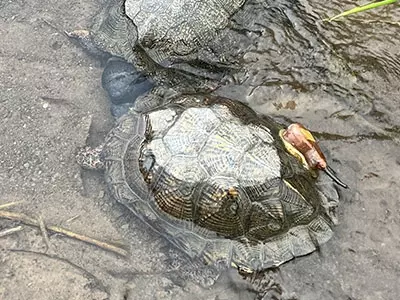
90 158
84 39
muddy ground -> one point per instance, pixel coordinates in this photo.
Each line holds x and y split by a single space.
51 103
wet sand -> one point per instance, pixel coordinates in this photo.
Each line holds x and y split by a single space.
51 103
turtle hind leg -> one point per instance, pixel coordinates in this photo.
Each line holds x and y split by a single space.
184 269
266 285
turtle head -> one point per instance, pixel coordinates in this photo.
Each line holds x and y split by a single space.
301 144
123 83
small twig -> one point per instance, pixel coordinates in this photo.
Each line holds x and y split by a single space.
55 27
32 222
89 240
9 204
43 230
10 231
72 219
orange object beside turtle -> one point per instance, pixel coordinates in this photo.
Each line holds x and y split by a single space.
304 146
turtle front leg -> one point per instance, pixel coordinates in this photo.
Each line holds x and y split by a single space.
85 40
90 158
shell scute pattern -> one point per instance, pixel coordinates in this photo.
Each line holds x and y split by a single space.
222 208
262 132
188 135
224 149
159 150
183 24
260 163
174 197
161 121
186 168
121 148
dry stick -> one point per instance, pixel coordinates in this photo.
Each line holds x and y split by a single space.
32 222
72 219
9 204
10 231
45 235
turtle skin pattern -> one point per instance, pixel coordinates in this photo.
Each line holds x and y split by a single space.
215 180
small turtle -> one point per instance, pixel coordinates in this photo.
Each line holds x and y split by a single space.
226 186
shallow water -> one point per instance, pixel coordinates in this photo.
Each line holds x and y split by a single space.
354 62
339 79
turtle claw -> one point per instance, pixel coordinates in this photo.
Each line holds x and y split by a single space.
331 173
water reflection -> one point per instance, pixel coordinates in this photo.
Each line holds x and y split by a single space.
288 50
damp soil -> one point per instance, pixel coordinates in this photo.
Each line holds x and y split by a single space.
340 79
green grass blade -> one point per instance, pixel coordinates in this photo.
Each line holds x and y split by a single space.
360 9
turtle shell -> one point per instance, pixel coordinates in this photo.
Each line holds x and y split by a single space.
216 180
164 32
